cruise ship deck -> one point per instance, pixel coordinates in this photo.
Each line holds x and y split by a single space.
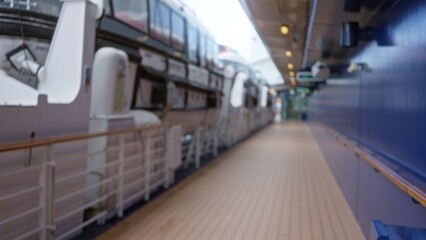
275 185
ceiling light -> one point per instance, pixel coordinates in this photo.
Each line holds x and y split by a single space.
288 53
293 79
290 66
291 74
284 29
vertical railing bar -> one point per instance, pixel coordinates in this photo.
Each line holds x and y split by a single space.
167 156
42 196
49 200
120 191
147 165
198 148
215 143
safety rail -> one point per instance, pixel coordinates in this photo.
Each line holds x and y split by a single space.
239 125
64 184
54 187
414 192
225 132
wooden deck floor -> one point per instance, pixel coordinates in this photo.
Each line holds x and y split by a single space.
275 185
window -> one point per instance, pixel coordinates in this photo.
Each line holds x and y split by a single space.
210 52
180 94
203 50
192 43
159 21
150 95
196 100
133 12
48 7
178 31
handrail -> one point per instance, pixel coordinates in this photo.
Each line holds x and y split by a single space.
414 192
74 137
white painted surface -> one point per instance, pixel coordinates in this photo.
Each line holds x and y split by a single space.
153 60
109 82
177 68
62 76
143 118
193 72
237 93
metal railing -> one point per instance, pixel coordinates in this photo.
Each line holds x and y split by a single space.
239 125
53 188
64 184
414 192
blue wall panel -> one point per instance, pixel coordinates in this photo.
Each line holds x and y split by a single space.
383 107
369 194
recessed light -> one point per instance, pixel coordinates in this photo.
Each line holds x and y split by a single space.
291 74
288 53
290 66
284 29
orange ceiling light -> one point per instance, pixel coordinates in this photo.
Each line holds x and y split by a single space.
290 66
284 29
291 74
288 53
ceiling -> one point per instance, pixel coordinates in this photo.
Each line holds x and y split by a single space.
267 17
323 42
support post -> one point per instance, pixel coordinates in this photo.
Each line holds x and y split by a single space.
147 164
120 193
47 195
167 157
198 146
215 142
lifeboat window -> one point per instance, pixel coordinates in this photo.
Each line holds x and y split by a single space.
107 7
202 50
196 100
48 7
150 95
178 31
159 21
132 12
180 96
210 52
192 43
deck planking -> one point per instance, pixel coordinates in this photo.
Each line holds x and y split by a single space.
275 185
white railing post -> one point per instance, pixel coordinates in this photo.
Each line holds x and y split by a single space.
215 142
47 195
42 197
147 164
167 157
229 132
198 146
120 190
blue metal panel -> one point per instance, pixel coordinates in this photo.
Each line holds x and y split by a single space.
385 106
369 194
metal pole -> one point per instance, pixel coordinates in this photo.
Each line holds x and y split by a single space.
167 157
198 148
48 199
147 165
120 194
42 197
